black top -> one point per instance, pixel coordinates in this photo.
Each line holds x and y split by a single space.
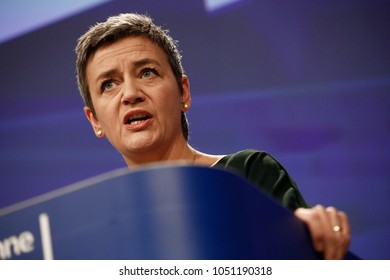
267 174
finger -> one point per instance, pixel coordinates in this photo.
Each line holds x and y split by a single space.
334 221
311 219
342 235
333 238
345 232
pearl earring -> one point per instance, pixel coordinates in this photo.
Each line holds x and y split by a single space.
99 132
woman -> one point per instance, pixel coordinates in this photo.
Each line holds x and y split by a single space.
136 94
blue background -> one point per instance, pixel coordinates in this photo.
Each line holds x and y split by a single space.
307 81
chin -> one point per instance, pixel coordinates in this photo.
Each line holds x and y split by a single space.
139 146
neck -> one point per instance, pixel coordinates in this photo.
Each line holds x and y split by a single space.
181 153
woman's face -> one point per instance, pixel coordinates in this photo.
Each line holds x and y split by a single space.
136 97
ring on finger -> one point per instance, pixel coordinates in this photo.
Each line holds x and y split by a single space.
337 228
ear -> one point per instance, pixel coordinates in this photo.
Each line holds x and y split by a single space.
94 122
186 96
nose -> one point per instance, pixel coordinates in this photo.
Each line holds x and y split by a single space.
131 92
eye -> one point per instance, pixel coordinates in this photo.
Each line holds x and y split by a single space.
107 85
148 73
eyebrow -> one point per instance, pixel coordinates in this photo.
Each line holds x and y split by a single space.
105 75
136 64
145 61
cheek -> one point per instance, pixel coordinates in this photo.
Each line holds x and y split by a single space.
174 109
107 113
169 103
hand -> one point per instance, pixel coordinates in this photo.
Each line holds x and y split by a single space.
329 229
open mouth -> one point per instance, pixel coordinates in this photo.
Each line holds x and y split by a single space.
136 119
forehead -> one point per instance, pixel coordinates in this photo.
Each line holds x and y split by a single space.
131 47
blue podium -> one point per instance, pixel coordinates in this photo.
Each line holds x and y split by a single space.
173 212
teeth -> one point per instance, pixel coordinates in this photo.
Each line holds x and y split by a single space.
136 118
